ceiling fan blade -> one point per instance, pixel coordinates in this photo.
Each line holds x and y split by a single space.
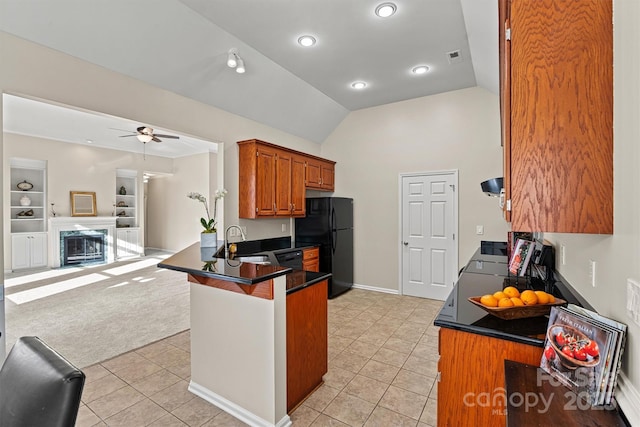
166 136
126 136
156 139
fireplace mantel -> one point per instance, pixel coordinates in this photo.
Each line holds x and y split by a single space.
67 223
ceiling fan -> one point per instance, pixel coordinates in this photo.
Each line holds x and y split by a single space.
145 134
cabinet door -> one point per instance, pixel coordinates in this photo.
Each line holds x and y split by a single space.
298 200
38 250
327 178
314 173
20 251
561 108
284 162
265 182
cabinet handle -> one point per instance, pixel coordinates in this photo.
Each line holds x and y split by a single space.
274 206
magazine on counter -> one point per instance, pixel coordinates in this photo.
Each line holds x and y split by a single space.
520 257
582 351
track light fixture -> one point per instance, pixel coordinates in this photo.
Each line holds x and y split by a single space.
235 61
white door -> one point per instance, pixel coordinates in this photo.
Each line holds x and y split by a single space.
429 248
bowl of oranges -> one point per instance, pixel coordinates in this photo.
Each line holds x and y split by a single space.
510 303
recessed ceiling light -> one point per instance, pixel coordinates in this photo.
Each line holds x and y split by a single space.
89 141
307 41
358 85
385 10
420 69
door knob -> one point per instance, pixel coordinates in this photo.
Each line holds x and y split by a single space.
406 243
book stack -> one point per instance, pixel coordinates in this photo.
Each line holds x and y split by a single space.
583 350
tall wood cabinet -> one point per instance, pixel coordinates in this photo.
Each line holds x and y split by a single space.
556 77
273 180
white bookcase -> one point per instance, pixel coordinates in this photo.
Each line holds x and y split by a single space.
128 242
28 210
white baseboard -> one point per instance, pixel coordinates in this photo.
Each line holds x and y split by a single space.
376 289
628 399
235 410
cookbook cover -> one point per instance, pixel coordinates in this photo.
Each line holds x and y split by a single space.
577 353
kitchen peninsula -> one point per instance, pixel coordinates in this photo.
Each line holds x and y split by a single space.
250 353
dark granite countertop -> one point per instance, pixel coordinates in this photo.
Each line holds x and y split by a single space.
486 274
202 262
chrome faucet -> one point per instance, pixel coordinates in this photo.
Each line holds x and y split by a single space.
226 237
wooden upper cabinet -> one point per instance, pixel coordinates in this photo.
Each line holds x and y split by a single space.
272 180
320 174
557 114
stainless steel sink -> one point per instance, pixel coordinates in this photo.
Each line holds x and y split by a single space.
255 259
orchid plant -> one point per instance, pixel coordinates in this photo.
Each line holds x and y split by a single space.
209 223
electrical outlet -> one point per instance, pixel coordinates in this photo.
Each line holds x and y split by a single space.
563 255
479 229
592 272
633 300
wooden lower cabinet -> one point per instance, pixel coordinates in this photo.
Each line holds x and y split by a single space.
311 259
471 391
306 342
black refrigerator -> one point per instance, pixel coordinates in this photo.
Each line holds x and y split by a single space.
329 224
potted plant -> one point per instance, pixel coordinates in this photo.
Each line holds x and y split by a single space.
209 237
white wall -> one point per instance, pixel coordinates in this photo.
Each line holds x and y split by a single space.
617 256
173 219
372 147
74 167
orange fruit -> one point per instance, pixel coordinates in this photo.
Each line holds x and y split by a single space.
511 292
529 297
499 295
517 301
489 301
505 302
543 297
552 299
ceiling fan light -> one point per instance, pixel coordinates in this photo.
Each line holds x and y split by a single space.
240 68
385 10
144 138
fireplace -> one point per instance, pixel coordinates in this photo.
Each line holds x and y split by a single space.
81 240
83 247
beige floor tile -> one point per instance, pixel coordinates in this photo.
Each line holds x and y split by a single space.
114 402
173 396
137 370
425 367
363 348
196 412
401 346
172 356
94 372
181 340
225 420
425 351
350 361
379 371
183 370
366 388
414 382
382 417
119 362
326 421
167 420
336 342
154 348
404 402
140 414
337 378
321 398
304 416
155 382
349 409
430 413
390 357
434 391
86 417
375 336
101 387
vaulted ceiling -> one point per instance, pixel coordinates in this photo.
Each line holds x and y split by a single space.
183 46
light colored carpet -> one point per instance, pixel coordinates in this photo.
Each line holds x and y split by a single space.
90 314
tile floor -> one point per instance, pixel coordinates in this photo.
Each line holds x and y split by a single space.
383 353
